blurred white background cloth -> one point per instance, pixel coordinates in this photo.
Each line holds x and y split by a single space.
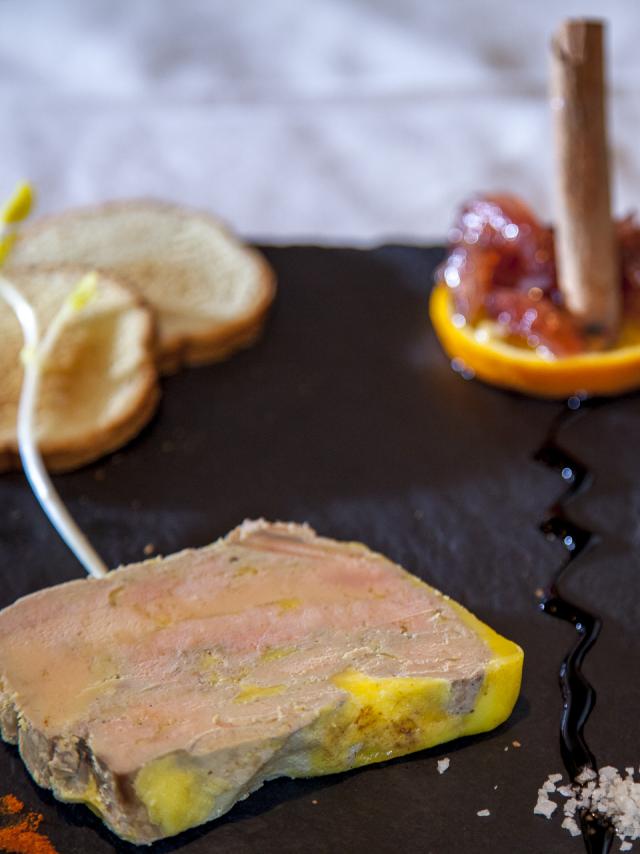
327 121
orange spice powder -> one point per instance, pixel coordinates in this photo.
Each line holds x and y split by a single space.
9 805
20 834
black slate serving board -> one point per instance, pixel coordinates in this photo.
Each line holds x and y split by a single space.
348 416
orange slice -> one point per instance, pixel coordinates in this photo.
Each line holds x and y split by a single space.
481 351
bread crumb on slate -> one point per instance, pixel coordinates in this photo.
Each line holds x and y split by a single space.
606 793
483 813
149 549
443 764
516 744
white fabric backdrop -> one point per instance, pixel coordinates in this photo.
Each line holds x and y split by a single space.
335 121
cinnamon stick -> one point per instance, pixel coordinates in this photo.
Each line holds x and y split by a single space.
586 249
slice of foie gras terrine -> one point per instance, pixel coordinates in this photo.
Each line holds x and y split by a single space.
167 691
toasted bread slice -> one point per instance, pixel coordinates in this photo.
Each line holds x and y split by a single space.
209 291
99 384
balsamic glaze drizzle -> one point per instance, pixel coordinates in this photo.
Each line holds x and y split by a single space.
578 696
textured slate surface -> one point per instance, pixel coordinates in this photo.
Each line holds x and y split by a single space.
348 416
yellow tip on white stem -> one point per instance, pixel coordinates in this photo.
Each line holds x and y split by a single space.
84 291
19 205
29 454
32 355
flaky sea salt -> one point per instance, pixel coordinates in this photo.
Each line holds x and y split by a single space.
483 813
545 807
571 825
443 764
605 793
585 775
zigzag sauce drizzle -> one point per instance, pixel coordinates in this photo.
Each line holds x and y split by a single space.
578 696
